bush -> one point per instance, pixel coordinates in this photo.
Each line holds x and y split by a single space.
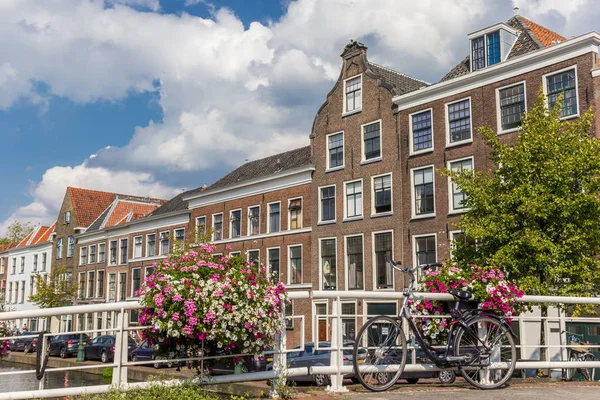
187 391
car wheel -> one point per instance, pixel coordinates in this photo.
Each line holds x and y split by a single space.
447 377
157 365
245 369
63 352
104 357
321 380
27 349
133 358
412 381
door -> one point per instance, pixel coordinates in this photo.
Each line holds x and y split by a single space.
322 330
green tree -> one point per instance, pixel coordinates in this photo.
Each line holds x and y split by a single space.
55 290
537 216
16 232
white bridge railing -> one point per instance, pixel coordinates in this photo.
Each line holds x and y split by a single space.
336 369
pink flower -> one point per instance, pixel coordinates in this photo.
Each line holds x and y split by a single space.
193 321
218 293
175 316
158 299
177 297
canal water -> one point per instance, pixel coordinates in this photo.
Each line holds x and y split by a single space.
53 380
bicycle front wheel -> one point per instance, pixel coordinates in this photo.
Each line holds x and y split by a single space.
571 371
588 373
489 353
379 353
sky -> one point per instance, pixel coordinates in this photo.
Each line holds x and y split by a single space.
152 97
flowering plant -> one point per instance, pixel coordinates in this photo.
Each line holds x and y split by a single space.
4 345
490 290
199 303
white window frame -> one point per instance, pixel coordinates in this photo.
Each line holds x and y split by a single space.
80 255
175 233
337 286
196 226
119 254
159 241
498 112
116 252
413 195
269 216
81 291
213 226
235 253
362 214
97 288
362 95
249 230
386 213
231 223
87 289
363 160
320 208
289 213
141 247
449 143
414 248
545 88
346 263
316 319
411 147
328 159
278 248
374 261
59 248
141 280
248 255
289 263
451 209
95 255
70 247
116 287
156 236
451 241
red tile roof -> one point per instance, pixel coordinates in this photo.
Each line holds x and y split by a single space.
4 247
125 211
39 235
544 35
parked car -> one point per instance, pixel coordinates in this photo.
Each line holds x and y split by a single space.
249 364
25 344
66 345
145 352
103 348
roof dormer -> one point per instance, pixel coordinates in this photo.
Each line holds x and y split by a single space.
491 45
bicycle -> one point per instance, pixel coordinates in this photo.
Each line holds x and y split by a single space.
480 343
577 351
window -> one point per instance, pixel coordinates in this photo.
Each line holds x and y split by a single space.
71 246
67 217
122 286
421 132
253 220
44 262
113 252
22 266
59 248
295 264
335 146
328 264
101 252
83 256
485 50
564 83
151 245
382 194
180 235
354 204
295 209
274 217
349 322
164 243
477 54
234 253
371 141
235 220
112 287
123 251
458 236
289 313
136 275
93 249
200 226
100 284
31 285
137 247
354 260
459 121
273 263
10 289
424 250
35 262
82 285
254 257
90 283
14 266
457 196
22 292
353 94
217 226
327 203
2 262
493 48
149 271
383 253
511 101
423 196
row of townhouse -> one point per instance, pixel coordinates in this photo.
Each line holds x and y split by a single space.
367 188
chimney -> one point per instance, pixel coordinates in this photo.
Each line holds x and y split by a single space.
516 10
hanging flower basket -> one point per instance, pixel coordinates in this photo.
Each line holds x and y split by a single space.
200 304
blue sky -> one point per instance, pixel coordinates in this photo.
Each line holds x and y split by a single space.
150 97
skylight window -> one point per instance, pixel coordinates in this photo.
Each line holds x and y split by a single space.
491 46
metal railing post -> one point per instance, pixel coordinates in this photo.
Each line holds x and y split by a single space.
337 342
41 385
280 358
119 378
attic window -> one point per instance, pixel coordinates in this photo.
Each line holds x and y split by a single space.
353 94
491 46
67 217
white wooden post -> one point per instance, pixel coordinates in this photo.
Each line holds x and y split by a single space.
337 342
119 378
280 358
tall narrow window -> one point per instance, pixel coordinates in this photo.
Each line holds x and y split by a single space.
35 262
423 191
93 254
123 251
164 243
421 131
458 196
512 106
90 283
254 257
200 226
274 217
100 284
122 286
112 287
83 255
382 193
372 141
59 248
354 254
179 235
151 245
101 252
425 250
273 262
353 94
22 267
113 252
254 220
71 246
354 204
328 264
137 247
295 210
81 285
335 144
235 219
295 264
478 53
493 48
459 121
44 261
383 253
328 203
218 227
136 275
562 83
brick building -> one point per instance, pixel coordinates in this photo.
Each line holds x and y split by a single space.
4 270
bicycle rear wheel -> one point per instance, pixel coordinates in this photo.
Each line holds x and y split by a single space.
588 373
380 343
489 353
571 371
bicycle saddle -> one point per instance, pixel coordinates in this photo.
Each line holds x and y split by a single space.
461 294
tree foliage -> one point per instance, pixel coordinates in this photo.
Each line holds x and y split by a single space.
16 232
56 290
537 216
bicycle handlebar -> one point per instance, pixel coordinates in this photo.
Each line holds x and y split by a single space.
424 267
